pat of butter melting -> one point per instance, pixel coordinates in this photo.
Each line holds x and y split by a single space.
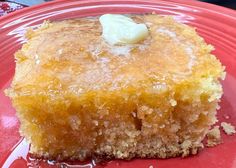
119 29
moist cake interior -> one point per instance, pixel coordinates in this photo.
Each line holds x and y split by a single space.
78 97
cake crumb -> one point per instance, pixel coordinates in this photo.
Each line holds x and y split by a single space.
213 137
228 128
186 145
173 102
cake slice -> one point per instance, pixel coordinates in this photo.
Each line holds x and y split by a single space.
78 96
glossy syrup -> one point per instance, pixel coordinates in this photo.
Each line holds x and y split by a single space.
19 157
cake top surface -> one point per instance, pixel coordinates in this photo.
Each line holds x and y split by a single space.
73 54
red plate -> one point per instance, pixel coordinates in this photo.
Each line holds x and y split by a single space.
216 24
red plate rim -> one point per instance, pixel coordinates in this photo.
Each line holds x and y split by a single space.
217 9
227 13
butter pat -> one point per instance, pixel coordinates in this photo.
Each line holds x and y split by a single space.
119 29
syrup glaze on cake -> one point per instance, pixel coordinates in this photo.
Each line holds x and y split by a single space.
77 96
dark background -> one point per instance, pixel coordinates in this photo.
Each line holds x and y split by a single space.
226 3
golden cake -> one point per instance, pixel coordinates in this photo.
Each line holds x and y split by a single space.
78 96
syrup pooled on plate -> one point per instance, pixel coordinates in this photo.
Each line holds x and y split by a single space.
19 157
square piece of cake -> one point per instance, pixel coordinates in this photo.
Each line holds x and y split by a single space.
78 96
